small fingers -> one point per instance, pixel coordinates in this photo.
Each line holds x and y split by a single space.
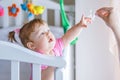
85 20
88 20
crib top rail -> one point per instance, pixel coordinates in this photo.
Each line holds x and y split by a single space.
19 53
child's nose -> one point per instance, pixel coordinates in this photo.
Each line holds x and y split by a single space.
47 33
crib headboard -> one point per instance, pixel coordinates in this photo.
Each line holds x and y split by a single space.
17 54
51 13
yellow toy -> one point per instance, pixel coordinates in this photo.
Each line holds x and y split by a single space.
34 9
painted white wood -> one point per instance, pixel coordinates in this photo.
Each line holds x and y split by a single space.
44 15
36 72
5 18
25 55
19 17
70 8
53 5
19 53
58 74
57 17
15 70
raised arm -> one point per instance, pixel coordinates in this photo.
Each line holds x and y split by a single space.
75 30
112 20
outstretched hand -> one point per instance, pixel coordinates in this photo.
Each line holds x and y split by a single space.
111 18
84 21
105 13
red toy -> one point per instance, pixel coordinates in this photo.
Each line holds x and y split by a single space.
13 10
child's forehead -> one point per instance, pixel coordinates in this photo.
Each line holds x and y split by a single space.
41 27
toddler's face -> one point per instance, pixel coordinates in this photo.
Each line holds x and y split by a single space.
43 39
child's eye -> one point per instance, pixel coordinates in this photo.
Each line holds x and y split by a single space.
42 33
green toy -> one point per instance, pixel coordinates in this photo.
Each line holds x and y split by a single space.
65 23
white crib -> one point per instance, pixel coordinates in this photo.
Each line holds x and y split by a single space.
16 53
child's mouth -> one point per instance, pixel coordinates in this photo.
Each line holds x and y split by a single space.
50 40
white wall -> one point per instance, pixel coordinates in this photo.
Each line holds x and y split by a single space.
93 58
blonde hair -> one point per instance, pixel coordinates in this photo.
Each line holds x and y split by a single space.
26 31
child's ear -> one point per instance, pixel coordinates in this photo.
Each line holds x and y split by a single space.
30 45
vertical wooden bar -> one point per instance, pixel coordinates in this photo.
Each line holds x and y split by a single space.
45 16
5 18
58 74
36 72
57 17
15 70
18 19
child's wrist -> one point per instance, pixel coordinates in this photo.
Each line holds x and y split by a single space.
81 25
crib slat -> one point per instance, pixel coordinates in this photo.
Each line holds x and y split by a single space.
44 16
18 19
58 74
57 18
15 70
6 18
36 72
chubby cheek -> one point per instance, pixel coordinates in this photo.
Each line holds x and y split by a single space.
41 45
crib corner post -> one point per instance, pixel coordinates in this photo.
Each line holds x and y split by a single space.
58 74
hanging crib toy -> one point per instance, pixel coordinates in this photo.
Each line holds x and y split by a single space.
65 23
1 11
13 10
32 9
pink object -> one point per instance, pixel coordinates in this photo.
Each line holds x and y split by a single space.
1 11
58 48
17 30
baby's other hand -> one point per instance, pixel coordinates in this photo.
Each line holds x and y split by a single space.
84 21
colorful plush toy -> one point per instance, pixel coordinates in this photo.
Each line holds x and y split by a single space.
13 10
34 9
1 11
65 22
24 6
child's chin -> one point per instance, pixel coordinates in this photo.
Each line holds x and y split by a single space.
52 45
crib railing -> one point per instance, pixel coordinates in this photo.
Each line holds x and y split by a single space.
19 54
